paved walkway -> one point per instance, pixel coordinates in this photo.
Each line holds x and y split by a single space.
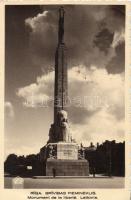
66 182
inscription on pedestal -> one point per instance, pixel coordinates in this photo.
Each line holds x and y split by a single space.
67 151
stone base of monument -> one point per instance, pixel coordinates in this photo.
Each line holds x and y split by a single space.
67 167
64 159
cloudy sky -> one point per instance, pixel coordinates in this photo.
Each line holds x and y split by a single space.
94 36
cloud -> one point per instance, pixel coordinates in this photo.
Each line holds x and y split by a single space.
9 110
119 38
117 64
43 35
102 126
92 34
93 110
33 22
38 93
21 150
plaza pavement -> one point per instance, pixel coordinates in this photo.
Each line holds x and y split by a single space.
69 182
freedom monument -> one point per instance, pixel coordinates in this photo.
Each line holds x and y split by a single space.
61 155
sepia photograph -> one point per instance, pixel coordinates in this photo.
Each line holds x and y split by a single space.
64 124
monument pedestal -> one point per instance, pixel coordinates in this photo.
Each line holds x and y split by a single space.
64 158
67 167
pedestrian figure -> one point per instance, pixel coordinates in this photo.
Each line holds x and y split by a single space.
94 171
54 172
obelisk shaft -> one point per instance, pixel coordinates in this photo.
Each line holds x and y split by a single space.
59 130
61 26
60 95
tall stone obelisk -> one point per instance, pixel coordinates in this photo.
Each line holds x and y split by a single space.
61 155
60 69
59 131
